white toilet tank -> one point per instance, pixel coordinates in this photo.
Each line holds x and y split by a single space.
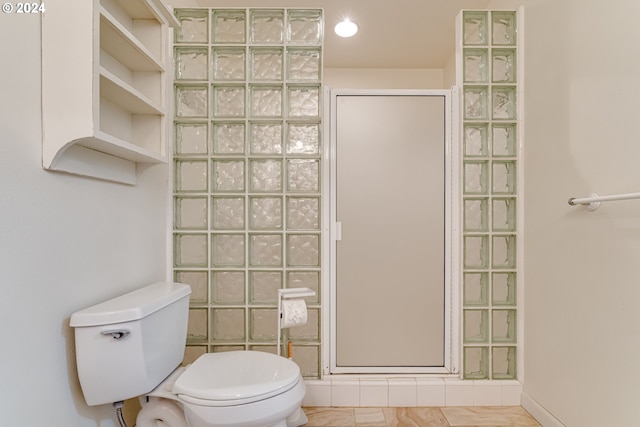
126 346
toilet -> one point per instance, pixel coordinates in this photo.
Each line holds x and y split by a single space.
132 346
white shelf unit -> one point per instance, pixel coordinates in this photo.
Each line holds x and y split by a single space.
106 87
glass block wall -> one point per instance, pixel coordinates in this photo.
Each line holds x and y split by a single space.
247 168
488 60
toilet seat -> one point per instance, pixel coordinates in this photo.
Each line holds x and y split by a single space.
235 378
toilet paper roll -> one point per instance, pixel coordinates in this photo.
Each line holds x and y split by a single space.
294 313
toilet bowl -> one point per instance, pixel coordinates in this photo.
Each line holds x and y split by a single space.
232 389
132 345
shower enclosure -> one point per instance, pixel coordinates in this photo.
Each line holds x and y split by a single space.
391 218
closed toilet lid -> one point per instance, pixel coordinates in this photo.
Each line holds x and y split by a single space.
237 376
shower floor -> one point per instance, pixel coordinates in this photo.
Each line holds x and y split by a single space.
458 416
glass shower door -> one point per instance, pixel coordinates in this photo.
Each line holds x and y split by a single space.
390 209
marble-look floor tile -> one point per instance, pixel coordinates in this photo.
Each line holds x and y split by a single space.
415 417
330 417
488 416
370 417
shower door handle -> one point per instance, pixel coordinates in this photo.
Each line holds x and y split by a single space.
338 231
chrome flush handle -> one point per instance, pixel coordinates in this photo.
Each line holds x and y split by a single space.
116 333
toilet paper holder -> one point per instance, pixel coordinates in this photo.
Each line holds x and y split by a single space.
286 294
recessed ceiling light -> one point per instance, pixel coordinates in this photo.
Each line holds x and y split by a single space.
346 28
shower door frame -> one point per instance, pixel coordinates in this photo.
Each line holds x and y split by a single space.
452 247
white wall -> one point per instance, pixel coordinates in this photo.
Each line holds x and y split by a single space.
582 302
383 78
449 72
65 243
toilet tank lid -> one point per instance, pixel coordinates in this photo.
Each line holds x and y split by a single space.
132 306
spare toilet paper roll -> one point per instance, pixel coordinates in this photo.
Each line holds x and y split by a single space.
294 313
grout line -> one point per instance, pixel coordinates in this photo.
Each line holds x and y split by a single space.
329 422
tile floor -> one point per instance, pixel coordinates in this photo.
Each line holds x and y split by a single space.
453 416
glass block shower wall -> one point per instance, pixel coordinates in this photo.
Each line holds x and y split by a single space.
489 60
247 168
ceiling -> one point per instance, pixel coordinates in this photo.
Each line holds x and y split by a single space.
393 33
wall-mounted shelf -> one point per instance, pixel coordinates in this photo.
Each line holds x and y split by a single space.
126 96
106 82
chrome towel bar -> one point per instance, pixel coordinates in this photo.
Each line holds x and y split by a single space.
593 201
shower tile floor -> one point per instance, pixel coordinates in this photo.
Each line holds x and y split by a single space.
458 416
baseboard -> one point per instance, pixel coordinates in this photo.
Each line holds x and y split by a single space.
538 412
